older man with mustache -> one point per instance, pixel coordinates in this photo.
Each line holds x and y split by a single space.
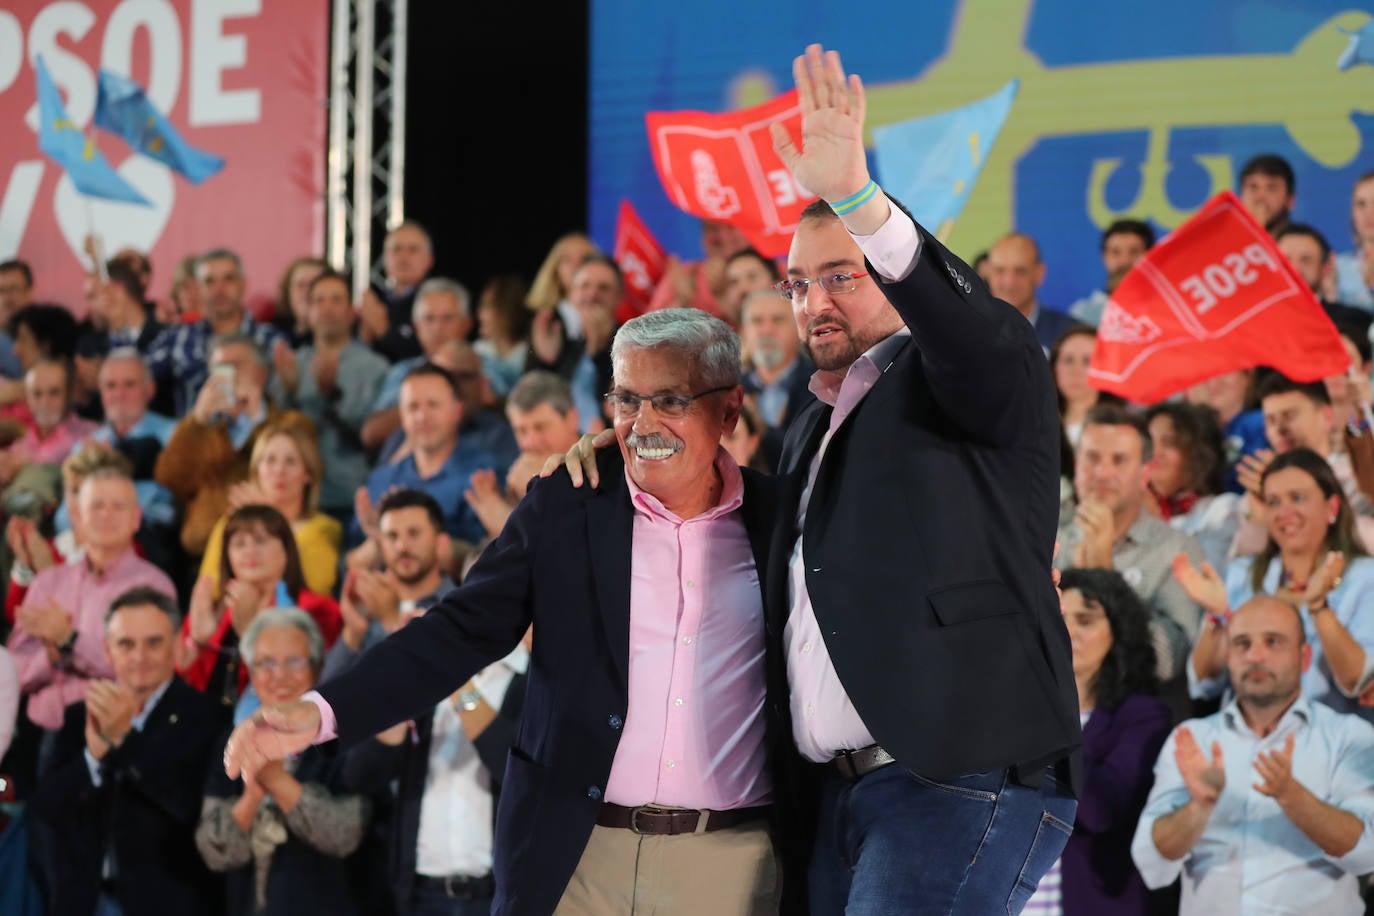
640 775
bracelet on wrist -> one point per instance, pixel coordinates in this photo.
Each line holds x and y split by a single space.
854 201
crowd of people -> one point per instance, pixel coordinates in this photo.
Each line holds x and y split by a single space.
211 510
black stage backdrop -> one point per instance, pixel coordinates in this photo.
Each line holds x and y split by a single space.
496 133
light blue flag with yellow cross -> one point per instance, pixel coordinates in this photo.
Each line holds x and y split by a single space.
122 107
930 163
69 147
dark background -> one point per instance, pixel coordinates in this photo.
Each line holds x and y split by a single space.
496 133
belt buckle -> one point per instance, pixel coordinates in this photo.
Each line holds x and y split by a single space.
844 762
634 818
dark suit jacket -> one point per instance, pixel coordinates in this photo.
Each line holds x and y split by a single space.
563 563
145 811
929 533
372 763
799 397
1119 751
1050 324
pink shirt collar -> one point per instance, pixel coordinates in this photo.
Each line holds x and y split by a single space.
731 492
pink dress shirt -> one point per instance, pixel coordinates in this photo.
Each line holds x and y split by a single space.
824 719
86 596
694 730
59 443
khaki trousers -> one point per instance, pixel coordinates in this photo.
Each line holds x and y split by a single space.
724 872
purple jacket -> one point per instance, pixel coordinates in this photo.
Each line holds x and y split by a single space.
1119 751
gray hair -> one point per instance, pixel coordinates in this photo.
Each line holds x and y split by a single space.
237 338
711 345
444 285
221 254
284 617
128 354
539 386
759 295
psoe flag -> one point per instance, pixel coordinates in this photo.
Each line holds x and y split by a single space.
640 257
932 162
64 142
121 107
722 167
1215 296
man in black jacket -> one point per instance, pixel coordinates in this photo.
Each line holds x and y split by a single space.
929 667
118 810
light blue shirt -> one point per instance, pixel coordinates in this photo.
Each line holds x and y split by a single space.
159 508
1350 286
1353 603
389 395
1251 859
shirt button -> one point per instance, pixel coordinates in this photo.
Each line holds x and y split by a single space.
677 702
810 709
594 793
806 647
670 764
686 640
691 583
614 722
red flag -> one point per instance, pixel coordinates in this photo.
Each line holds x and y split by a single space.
722 167
1216 295
641 261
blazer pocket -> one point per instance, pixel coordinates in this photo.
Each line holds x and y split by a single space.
968 601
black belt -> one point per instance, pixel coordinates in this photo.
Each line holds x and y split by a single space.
651 819
458 887
854 765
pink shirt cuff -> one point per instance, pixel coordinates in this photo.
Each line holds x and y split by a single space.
329 726
895 247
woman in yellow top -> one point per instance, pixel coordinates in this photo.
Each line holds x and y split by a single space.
284 472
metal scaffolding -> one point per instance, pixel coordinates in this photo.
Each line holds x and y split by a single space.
367 145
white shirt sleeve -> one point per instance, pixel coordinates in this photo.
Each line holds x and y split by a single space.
895 248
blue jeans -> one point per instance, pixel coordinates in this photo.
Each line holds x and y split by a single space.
895 842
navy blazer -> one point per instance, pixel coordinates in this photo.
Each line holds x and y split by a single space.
145 812
929 533
1119 751
562 563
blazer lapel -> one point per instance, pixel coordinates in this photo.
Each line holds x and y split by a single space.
610 533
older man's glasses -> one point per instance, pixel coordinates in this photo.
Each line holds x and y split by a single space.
671 406
794 289
271 667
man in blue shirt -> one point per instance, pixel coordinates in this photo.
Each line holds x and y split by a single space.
1267 804
178 357
431 412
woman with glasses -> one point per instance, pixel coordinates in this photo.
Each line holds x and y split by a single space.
260 568
284 836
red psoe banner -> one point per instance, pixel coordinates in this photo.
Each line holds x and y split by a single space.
243 79
639 255
1216 295
722 167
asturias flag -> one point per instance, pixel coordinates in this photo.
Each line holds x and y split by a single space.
932 162
64 142
123 108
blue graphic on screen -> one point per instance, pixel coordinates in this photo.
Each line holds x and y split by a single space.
1122 110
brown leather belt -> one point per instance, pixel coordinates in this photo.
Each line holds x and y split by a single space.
656 821
854 765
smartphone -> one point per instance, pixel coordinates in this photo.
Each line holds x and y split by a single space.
224 375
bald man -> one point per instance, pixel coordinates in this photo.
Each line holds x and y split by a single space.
1017 272
1266 804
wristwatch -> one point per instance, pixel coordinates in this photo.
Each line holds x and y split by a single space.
70 645
468 700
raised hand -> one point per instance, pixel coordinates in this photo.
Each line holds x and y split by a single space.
284 364
1203 585
1205 778
1276 771
1095 550
485 498
1326 577
830 162
203 619
243 600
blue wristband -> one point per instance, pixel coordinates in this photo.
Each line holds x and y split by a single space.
855 200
